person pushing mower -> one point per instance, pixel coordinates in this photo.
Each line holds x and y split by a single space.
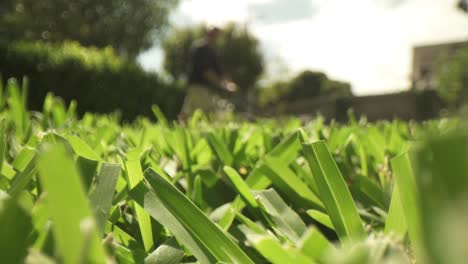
207 81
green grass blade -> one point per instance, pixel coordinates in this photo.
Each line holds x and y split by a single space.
257 180
8 171
252 226
122 237
273 251
198 192
15 226
40 219
162 120
241 186
227 219
285 179
322 218
17 109
81 148
2 93
441 175
23 178
333 191
101 195
68 207
288 148
405 181
3 145
177 140
302 172
128 256
362 155
24 92
59 113
71 111
286 220
87 160
184 219
395 222
371 190
221 150
87 169
146 197
168 253
314 245
286 151
135 176
23 158
209 178
375 143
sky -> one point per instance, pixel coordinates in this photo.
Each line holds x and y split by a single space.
365 42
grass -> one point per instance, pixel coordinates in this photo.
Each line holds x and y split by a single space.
94 190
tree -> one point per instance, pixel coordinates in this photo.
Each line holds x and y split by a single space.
241 56
452 79
463 5
128 26
238 49
305 85
308 84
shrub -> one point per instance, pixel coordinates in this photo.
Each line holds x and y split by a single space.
97 78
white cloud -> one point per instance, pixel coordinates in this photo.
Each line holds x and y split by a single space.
364 43
277 11
215 12
361 41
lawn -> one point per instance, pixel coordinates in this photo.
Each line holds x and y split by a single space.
92 189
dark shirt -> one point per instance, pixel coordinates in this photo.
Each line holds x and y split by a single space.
203 58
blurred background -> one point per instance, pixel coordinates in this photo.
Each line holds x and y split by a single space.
381 58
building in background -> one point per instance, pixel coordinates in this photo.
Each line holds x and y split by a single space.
427 59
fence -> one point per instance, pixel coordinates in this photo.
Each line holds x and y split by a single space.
405 105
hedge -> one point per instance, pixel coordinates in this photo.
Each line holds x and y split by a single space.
97 79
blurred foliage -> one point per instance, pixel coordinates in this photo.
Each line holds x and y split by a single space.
128 26
238 50
452 79
305 85
240 53
463 5
309 84
270 93
99 79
